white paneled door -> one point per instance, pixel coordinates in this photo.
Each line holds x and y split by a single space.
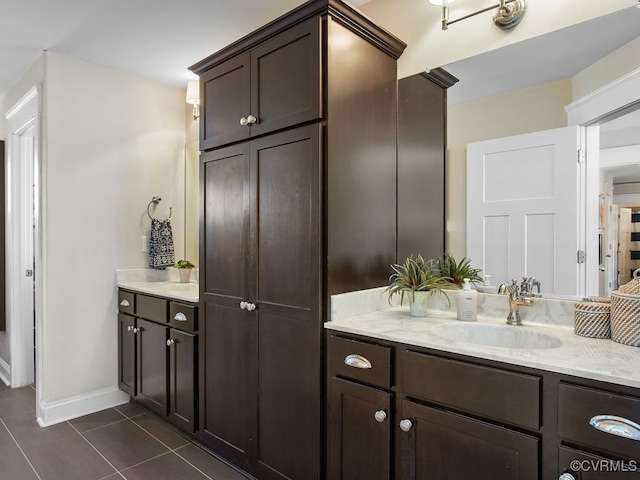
523 200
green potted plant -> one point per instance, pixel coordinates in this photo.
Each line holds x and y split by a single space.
419 279
448 267
184 269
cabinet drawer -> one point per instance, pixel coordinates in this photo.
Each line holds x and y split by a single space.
490 392
183 317
577 406
366 362
126 302
593 467
151 308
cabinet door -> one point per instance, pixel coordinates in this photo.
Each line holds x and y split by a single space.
224 92
440 446
285 79
359 432
285 286
223 345
127 357
152 366
182 379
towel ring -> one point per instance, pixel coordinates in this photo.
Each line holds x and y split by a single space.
155 201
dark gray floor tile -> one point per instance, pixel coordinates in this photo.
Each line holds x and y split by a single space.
17 401
166 467
209 464
28 433
96 420
70 458
125 444
13 464
160 431
129 410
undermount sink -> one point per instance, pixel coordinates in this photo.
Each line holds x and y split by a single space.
496 335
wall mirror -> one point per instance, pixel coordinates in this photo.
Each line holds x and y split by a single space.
524 88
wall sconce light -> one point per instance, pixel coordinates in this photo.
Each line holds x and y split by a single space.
193 97
507 14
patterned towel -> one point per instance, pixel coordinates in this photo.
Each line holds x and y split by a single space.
161 245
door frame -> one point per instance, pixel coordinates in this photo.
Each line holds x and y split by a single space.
19 213
613 100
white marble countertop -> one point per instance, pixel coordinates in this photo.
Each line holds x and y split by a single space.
187 292
599 359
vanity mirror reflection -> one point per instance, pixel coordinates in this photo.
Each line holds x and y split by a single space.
524 88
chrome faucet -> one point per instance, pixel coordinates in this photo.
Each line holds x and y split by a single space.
519 295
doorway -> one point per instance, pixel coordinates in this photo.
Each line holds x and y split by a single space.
22 238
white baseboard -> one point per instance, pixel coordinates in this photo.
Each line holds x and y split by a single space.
5 372
50 413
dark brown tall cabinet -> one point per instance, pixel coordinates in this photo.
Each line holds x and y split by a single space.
298 133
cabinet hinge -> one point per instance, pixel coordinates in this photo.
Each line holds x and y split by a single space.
581 256
581 156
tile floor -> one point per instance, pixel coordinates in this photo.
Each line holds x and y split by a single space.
122 442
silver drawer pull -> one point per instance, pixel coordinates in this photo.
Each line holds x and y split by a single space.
357 361
619 426
125 303
180 317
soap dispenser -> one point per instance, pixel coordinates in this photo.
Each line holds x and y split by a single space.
467 303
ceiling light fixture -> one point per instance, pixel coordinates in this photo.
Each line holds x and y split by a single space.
193 97
507 14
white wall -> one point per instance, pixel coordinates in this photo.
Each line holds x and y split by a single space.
429 46
113 141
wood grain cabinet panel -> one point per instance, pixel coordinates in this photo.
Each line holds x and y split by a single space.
578 405
151 363
127 357
362 361
183 379
441 445
360 432
278 83
497 394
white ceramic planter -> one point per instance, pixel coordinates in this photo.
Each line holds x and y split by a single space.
185 275
418 302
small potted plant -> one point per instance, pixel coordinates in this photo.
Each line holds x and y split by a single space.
448 267
184 269
419 279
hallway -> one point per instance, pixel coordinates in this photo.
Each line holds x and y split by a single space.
123 442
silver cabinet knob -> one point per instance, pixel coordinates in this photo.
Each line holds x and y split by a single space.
180 317
566 476
243 305
251 120
405 425
170 342
244 122
125 303
136 329
129 328
251 307
380 416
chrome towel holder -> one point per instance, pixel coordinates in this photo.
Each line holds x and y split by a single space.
155 200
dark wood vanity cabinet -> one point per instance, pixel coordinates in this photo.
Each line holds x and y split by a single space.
157 363
456 417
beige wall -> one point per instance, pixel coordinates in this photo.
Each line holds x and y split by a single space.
429 46
527 110
615 65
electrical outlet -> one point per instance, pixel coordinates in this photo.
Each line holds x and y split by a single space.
145 244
